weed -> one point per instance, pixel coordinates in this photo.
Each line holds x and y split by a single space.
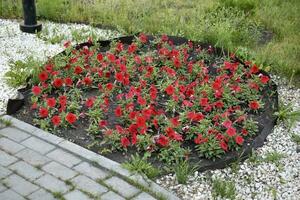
6 122
182 170
287 115
20 71
58 195
39 167
296 138
224 189
69 183
273 157
141 165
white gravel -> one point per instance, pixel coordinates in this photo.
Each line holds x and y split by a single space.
264 180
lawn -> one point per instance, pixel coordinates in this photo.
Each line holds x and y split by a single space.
266 31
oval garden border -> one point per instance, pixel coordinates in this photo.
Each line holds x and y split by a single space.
266 120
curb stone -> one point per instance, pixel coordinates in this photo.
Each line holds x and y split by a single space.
90 156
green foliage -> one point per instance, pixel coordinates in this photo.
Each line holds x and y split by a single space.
210 149
183 170
287 115
223 189
141 165
296 138
172 154
5 122
20 71
273 157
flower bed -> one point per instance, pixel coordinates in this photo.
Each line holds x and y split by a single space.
165 96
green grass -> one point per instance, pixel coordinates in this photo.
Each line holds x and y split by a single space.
141 165
223 189
296 138
228 23
183 169
6 122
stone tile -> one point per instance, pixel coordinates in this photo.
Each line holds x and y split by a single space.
111 195
26 170
10 195
87 184
10 146
20 124
144 196
32 157
41 193
20 185
59 170
122 187
38 145
2 187
76 195
51 183
91 171
14 134
6 159
47 136
64 157
4 172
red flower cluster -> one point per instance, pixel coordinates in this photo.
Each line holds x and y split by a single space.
164 96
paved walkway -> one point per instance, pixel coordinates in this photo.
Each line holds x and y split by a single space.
37 165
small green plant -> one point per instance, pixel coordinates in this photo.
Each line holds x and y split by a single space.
273 157
287 115
6 122
58 195
223 189
296 138
141 165
20 71
182 171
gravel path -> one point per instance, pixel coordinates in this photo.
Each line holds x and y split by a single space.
266 176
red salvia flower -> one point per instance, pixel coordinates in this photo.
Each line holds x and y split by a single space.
43 112
56 120
51 102
118 111
141 101
132 48
43 76
204 102
254 105
63 100
162 141
36 90
223 145
239 140
143 38
78 70
109 86
140 121
264 79
90 102
68 81
102 123
119 76
71 118
87 80
58 82
99 57
231 131
170 90
254 69
125 142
